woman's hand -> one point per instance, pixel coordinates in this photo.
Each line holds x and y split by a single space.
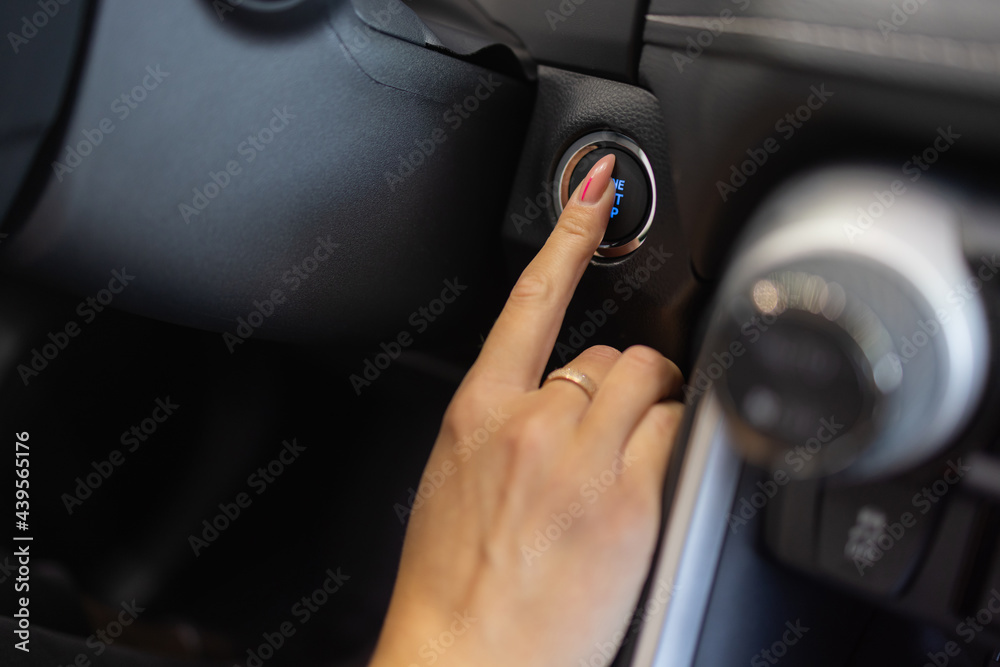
540 506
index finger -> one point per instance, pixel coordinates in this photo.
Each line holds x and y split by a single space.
519 345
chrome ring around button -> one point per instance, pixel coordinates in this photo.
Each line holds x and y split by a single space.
571 158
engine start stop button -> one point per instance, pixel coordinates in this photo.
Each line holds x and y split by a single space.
635 192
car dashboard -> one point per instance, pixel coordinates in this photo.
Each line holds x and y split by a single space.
806 221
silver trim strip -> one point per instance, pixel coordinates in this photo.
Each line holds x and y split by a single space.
944 51
692 543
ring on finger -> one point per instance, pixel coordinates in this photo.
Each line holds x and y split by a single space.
582 380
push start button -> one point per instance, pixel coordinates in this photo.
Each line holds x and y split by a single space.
635 193
631 206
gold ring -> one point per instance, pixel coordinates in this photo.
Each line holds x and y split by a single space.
576 377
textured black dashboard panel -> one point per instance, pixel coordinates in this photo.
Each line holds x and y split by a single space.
253 152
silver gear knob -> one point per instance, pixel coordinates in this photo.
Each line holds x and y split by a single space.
838 339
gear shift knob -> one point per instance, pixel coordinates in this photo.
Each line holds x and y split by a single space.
851 349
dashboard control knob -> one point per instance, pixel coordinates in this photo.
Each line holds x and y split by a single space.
844 344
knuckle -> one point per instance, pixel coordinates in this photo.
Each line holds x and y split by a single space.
575 225
457 417
465 410
533 434
532 286
665 419
645 358
603 352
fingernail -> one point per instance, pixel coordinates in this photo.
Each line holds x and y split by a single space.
596 181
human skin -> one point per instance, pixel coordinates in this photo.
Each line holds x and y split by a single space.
535 546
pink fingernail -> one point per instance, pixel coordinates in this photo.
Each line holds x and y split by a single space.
597 180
